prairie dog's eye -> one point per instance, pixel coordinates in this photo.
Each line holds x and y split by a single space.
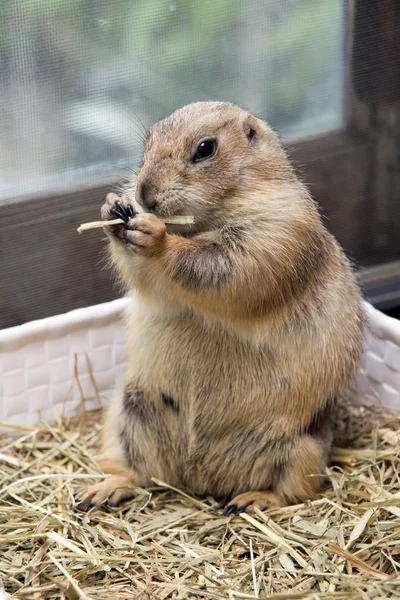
205 149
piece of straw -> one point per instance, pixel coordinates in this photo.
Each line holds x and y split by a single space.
183 220
357 562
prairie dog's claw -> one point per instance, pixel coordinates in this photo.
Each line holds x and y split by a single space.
122 211
117 208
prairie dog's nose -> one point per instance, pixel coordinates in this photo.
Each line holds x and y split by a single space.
146 195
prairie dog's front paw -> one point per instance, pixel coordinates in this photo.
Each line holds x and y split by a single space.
117 208
145 234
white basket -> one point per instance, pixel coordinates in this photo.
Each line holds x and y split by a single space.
379 378
44 364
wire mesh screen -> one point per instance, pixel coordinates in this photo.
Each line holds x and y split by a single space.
80 78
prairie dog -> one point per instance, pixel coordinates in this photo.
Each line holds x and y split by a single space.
243 328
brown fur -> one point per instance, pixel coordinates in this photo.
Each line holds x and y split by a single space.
249 323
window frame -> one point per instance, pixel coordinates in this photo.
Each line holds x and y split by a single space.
323 160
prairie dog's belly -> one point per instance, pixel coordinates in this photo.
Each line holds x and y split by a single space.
181 354
205 404
211 398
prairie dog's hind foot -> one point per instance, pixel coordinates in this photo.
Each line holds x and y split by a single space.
112 491
302 479
248 501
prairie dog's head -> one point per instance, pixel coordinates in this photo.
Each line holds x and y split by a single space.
204 155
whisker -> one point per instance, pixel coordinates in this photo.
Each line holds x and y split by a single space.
138 134
140 123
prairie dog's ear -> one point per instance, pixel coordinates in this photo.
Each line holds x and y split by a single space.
251 129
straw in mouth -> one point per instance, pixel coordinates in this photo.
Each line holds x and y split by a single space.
183 220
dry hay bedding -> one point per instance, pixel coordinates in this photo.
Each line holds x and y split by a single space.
165 544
